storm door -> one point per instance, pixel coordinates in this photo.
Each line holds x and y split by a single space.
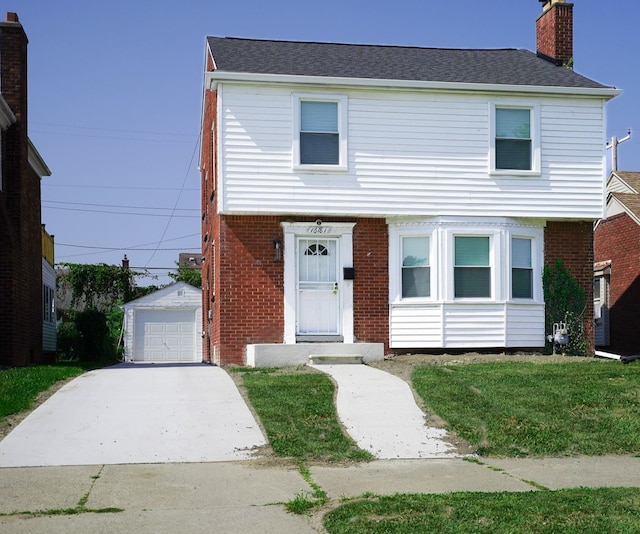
318 309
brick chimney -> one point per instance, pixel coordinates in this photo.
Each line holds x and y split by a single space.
554 32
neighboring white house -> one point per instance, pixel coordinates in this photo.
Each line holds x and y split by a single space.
165 326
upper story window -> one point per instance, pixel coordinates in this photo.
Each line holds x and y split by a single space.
515 139
416 271
320 132
472 269
521 268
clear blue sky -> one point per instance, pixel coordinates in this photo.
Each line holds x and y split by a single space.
115 93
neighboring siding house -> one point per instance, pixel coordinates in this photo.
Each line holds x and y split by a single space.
49 322
398 196
617 267
21 168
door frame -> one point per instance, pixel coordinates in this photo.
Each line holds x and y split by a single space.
343 232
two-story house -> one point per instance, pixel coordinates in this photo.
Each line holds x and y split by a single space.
368 199
21 169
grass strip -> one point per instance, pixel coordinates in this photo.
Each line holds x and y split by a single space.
520 409
297 411
20 386
571 511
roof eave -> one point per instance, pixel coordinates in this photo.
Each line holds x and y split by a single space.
36 162
213 78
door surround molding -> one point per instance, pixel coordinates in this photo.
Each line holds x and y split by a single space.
318 229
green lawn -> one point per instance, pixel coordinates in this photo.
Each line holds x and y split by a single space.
572 511
20 386
526 409
297 410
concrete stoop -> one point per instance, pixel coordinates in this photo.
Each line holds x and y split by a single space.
295 354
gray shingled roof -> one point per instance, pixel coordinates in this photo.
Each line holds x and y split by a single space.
491 66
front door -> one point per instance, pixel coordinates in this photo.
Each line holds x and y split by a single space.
318 289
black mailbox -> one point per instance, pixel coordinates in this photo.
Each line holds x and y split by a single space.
348 273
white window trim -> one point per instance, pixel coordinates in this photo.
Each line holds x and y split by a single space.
495 257
442 232
432 268
537 255
342 102
534 110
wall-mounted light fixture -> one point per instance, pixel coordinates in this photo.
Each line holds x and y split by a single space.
277 249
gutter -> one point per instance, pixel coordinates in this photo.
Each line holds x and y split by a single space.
213 78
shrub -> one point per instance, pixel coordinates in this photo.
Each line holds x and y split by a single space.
565 302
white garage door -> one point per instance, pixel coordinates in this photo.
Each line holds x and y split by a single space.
164 336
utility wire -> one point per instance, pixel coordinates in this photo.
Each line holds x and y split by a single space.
48 184
115 206
170 215
184 181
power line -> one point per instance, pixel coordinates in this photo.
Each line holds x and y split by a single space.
48 184
116 206
124 249
170 215
184 181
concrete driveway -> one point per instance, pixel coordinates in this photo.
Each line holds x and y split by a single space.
137 413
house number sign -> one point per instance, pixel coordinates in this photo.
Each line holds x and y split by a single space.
319 229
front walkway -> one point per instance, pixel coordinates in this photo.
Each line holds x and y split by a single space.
379 412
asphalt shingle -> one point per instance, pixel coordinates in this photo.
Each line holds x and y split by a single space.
481 66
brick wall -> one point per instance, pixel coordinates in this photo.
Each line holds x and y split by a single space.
20 237
572 242
249 293
554 33
618 239
248 305
208 171
371 284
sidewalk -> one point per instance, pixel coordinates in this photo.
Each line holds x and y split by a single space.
247 497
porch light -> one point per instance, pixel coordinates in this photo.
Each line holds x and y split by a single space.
277 249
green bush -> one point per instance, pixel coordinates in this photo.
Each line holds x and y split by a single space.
92 336
565 302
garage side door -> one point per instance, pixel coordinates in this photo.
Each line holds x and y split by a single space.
164 336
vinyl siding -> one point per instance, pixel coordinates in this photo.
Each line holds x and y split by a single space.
49 329
466 325
409 153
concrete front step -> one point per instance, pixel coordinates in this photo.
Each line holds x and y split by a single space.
294 354
333 359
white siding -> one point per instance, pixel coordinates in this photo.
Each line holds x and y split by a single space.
49 330
410 153
525 325
465 326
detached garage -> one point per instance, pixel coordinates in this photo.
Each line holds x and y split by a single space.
164 326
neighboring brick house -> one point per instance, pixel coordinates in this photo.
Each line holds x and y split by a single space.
400 197
617 266
21 168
